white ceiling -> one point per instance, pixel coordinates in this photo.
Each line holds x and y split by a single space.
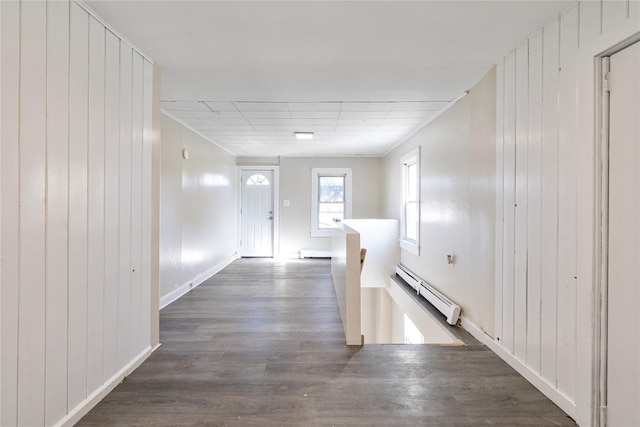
340 128
363 75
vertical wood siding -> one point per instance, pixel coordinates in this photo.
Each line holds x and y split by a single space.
536 211
75 208
57 209
534 158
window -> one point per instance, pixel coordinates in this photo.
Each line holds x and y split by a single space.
257 179
330 199
410 218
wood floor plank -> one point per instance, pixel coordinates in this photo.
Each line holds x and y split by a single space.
261 344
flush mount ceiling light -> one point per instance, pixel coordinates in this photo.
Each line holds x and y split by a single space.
304 135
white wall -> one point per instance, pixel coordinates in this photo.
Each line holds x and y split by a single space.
457 193
544 299
198 210
295 186
76 211
345 272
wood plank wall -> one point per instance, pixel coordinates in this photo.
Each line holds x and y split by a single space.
76 208
536 236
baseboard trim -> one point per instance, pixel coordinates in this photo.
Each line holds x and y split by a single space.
87 405
314 253
563 402
195 282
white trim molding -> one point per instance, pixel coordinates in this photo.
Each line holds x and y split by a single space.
565 403
195 282
86 405
316 173
409 159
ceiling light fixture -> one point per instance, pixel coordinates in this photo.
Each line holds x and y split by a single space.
304 135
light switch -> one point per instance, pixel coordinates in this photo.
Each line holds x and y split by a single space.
285 203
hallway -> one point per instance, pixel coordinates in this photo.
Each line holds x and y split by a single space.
261 344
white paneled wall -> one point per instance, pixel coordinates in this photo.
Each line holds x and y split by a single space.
537 195
76 210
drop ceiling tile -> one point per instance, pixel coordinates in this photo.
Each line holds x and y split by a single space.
367 106
274 132
341 128
402 122
226 122
397 129
357 128
434 105
408 106
263 127
314 106
325 122
324 135
364 114
222 132
315 128
252 144
360 122
233 128
266 114
304 122
237 138
274 137
260 122
315 114
261 106
219 114
424 114
221 106
204 114
184 106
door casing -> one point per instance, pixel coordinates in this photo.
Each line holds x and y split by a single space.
601 231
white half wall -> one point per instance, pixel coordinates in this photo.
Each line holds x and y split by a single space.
345 272
198 210
380 238
77 211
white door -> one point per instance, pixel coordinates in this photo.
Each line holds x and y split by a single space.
623 348
256 215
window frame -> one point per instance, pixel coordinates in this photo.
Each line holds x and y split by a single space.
410 158
316 173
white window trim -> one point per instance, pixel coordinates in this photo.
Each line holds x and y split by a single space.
317 172
412 246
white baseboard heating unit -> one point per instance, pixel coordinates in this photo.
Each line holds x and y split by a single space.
447 307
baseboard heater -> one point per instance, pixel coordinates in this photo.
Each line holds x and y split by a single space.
447 307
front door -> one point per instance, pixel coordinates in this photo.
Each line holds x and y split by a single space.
256 215
623 329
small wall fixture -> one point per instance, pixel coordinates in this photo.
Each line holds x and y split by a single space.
304 135
185 154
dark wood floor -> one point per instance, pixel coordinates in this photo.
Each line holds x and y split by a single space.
261 344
